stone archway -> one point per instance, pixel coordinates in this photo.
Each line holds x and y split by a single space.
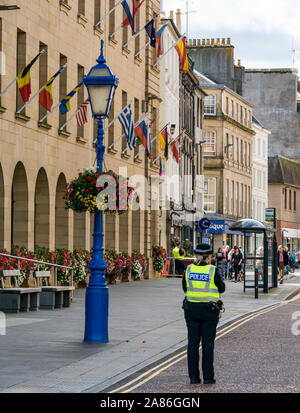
41 210
1 208
19 207
61 215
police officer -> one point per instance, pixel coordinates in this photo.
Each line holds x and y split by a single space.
202 285
179 259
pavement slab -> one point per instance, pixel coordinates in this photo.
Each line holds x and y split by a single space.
44 352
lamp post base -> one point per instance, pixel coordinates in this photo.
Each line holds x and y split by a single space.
96 315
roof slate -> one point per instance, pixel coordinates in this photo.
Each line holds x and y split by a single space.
284 171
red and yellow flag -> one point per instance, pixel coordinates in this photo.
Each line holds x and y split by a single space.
182 53
24 80
46 97
163 141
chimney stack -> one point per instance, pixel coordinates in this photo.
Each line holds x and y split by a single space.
178 20
172 15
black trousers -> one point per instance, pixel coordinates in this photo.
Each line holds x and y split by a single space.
202 324
179 267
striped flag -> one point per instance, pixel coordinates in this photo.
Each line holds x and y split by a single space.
81 114
130 10
182 53
163 140
46 96
126 21
143 134
159 40
126 121
65 105
24 80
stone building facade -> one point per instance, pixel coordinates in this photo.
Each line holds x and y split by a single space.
284 195
228 137
273 93
36 159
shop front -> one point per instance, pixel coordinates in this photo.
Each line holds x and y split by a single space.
217 233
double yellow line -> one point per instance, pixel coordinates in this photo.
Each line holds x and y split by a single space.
155 371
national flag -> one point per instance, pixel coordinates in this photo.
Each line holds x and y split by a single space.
65 105
150 29
130 10
182 53
142 131
160 167
24 79
126 21
46 97
160 160
163 139
126 121
175 151
81 114
159 40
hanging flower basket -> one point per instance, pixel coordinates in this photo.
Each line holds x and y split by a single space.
159 255
83 194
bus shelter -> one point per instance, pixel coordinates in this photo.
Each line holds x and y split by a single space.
260 255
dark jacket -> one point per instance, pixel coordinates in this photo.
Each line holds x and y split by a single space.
218 280
285 258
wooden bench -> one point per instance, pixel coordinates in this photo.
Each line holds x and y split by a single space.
52 296
15 299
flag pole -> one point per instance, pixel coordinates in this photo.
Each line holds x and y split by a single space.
140 51
69 120
173 45
42 88
107 14
16 78
116 117
118 140
153 140
11 83
140 31
52 110
47 114
117 29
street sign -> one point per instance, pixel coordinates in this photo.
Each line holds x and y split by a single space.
204 224
270 214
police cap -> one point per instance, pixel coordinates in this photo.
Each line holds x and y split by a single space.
203 249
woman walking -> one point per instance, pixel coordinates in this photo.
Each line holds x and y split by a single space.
283 260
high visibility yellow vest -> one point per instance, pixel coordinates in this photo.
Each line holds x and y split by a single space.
200 284
176 254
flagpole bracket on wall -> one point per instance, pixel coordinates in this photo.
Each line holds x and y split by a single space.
20 116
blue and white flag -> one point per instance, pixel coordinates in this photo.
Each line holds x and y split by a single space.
130 10
126 121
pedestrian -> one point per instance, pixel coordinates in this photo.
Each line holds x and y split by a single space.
260 263
178 254
203 286
236 261
293 260
221 263
283 260
230 265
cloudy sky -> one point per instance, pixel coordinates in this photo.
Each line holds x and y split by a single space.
264 32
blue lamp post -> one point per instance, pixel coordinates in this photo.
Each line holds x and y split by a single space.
101 85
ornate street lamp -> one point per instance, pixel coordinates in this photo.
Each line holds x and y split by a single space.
101 85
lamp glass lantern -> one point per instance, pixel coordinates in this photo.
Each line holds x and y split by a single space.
101 85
